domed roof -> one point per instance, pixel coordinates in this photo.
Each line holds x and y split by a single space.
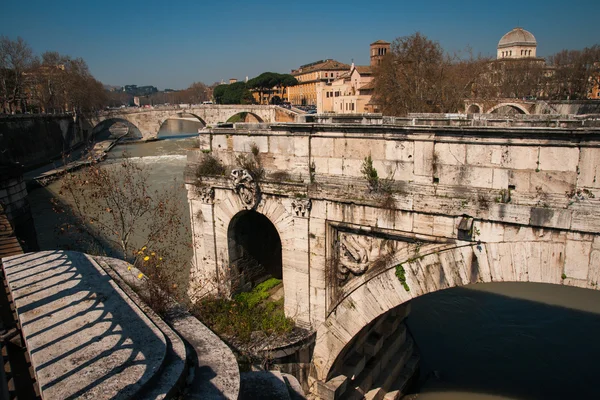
517 37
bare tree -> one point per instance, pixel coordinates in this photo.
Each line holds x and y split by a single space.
113 204
16 57
60 84
573 73
418 76
515 78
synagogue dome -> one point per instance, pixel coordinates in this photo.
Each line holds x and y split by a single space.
517 37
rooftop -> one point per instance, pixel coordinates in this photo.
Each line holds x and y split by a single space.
326 65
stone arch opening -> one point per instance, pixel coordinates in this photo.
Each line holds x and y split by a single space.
181 124
508 109
255 252
112 128
406 278
474 109
244 116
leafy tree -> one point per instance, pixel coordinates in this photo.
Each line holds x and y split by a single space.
219 93
234 93
265 82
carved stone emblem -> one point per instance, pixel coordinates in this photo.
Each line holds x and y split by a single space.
246 187
206 194
301 207
354 255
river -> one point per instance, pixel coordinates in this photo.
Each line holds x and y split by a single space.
486 341
164 160
508 341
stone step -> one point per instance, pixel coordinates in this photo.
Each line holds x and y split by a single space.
267 385
358 387
399 387
214 371
392 372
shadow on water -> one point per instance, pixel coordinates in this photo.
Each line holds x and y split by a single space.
508 340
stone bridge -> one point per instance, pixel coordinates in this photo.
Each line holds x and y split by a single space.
531 107
149 120
451 206
508 106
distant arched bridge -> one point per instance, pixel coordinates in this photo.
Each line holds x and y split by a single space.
508 106
149 120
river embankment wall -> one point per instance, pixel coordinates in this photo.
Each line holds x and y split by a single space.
32 140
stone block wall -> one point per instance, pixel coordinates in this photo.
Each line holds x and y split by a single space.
13 200
32 140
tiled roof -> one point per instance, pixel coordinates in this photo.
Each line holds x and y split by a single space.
326 65
364 69
380 42
367 86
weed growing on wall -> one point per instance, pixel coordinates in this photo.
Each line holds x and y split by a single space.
381 188
401 275
252 163
210 166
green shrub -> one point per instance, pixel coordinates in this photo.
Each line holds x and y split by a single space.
401 275
245 313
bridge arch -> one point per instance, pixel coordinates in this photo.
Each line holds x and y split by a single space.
244 116
277 210
437 268
518 108
109 122
254 250
178 117
474 109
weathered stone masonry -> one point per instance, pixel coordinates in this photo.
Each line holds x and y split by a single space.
461 205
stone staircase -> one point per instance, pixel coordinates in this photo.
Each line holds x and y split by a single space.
381 365
89 335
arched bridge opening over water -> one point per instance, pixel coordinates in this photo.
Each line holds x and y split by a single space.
453 206
149 120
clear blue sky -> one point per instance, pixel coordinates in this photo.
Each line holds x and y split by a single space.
171 44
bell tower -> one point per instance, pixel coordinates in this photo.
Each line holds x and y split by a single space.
378 50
